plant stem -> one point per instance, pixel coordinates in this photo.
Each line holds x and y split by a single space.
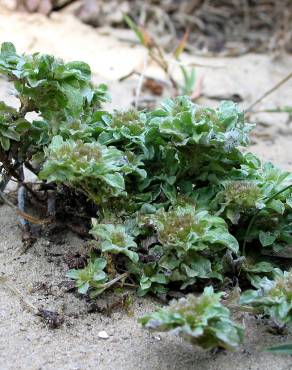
256 214
24 215
12 172
115 280
270 91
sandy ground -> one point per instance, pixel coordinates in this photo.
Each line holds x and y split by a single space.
25 343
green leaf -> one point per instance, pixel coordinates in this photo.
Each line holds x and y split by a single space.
73 67
285 349
99 264
145 283
83 288
289 201
11 134
277 206
259 267
7 49
135 28
159 278
267 238
199 267
73 274
5 142
224 238
99 276
115 180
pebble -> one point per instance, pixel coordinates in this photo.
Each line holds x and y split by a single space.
103 335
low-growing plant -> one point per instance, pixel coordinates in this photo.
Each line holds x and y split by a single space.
272 298
115 240
91 277
202 320
176 203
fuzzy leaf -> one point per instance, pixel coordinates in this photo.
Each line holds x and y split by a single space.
201 320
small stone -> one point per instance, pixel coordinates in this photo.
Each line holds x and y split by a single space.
103 335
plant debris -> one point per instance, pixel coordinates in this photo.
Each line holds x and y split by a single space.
228 27
51 318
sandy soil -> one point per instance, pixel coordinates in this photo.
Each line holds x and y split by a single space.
25 342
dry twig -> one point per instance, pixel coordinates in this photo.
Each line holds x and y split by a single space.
51 318
270 91
22 214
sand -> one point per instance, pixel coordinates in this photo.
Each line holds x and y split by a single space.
26 343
